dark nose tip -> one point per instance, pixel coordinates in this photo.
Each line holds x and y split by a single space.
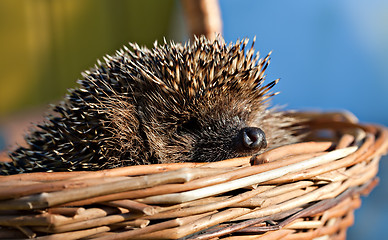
253 138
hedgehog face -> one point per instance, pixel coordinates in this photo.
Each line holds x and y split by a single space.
221 139
218 131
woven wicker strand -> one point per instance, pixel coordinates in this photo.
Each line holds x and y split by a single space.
301 191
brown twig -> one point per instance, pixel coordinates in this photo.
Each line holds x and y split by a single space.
294 149
45 200
133 205
239 226
203 17
290 216
248 181
203 182
75 234
154 228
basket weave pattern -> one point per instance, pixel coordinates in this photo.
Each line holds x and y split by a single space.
300 191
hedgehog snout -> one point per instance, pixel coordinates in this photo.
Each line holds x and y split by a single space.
251 139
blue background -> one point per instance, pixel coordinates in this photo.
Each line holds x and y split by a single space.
330 55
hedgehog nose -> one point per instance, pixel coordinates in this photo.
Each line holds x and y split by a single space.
253 138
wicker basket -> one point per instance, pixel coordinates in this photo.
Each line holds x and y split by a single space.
300 191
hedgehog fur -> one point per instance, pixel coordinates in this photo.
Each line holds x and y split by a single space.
171 103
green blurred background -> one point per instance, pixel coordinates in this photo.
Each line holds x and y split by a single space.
46 44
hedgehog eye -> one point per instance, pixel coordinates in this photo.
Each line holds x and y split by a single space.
190 125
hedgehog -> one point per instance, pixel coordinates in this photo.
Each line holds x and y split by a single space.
202 101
